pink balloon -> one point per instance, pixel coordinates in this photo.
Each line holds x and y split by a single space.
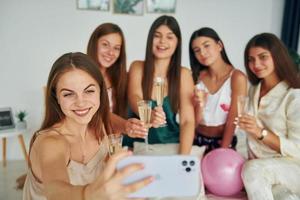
221 171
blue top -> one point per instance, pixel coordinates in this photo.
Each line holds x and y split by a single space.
161 135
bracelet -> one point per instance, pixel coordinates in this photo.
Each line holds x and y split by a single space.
263 134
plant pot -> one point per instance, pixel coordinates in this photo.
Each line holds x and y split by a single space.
21 125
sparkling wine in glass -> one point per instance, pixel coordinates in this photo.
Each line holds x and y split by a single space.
115 143
201 94
242 103
159 87
144 108
159 84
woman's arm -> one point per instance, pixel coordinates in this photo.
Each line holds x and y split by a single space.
199 106
51 155
132 127
287 145
109 184
249 124
52 160
238 87
135 92
290 145
199 100
186 112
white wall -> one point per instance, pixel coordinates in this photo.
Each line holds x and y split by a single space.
33 33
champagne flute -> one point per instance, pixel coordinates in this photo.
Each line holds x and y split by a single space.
242 103
144 108
159 87
242 106
115 143
201 94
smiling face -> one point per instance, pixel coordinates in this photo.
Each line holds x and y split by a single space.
206 50
109 48
78 95
261 63
164 42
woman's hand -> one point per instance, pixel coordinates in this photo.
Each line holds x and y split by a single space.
158 117
135 128
248 124
108 186
200 97
199 104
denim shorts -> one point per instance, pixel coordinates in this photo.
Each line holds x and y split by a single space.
212 142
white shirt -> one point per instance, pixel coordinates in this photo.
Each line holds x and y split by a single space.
279 112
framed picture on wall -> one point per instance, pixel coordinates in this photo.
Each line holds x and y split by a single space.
161 6
101 5
6 118
131 7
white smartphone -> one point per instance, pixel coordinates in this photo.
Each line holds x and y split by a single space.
174 175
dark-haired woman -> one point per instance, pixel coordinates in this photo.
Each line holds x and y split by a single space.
163 59
273 122
214 74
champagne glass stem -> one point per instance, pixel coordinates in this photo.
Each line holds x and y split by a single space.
146 143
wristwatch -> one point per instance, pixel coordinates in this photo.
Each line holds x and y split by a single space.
263 134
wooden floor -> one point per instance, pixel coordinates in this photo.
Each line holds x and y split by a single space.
8 176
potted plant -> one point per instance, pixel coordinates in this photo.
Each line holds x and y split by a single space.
21 124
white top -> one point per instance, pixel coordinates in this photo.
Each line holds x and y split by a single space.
217 105
278 112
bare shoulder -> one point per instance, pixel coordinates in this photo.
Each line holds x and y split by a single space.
185 71
50 141
239 82
49 149
136 66
238 76
186 78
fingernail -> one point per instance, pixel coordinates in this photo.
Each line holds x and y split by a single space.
236 118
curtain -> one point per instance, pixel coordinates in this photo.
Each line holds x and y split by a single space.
291 24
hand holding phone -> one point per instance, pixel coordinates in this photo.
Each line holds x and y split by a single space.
174 176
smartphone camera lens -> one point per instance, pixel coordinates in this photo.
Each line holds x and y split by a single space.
188 169
184 163
192 163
